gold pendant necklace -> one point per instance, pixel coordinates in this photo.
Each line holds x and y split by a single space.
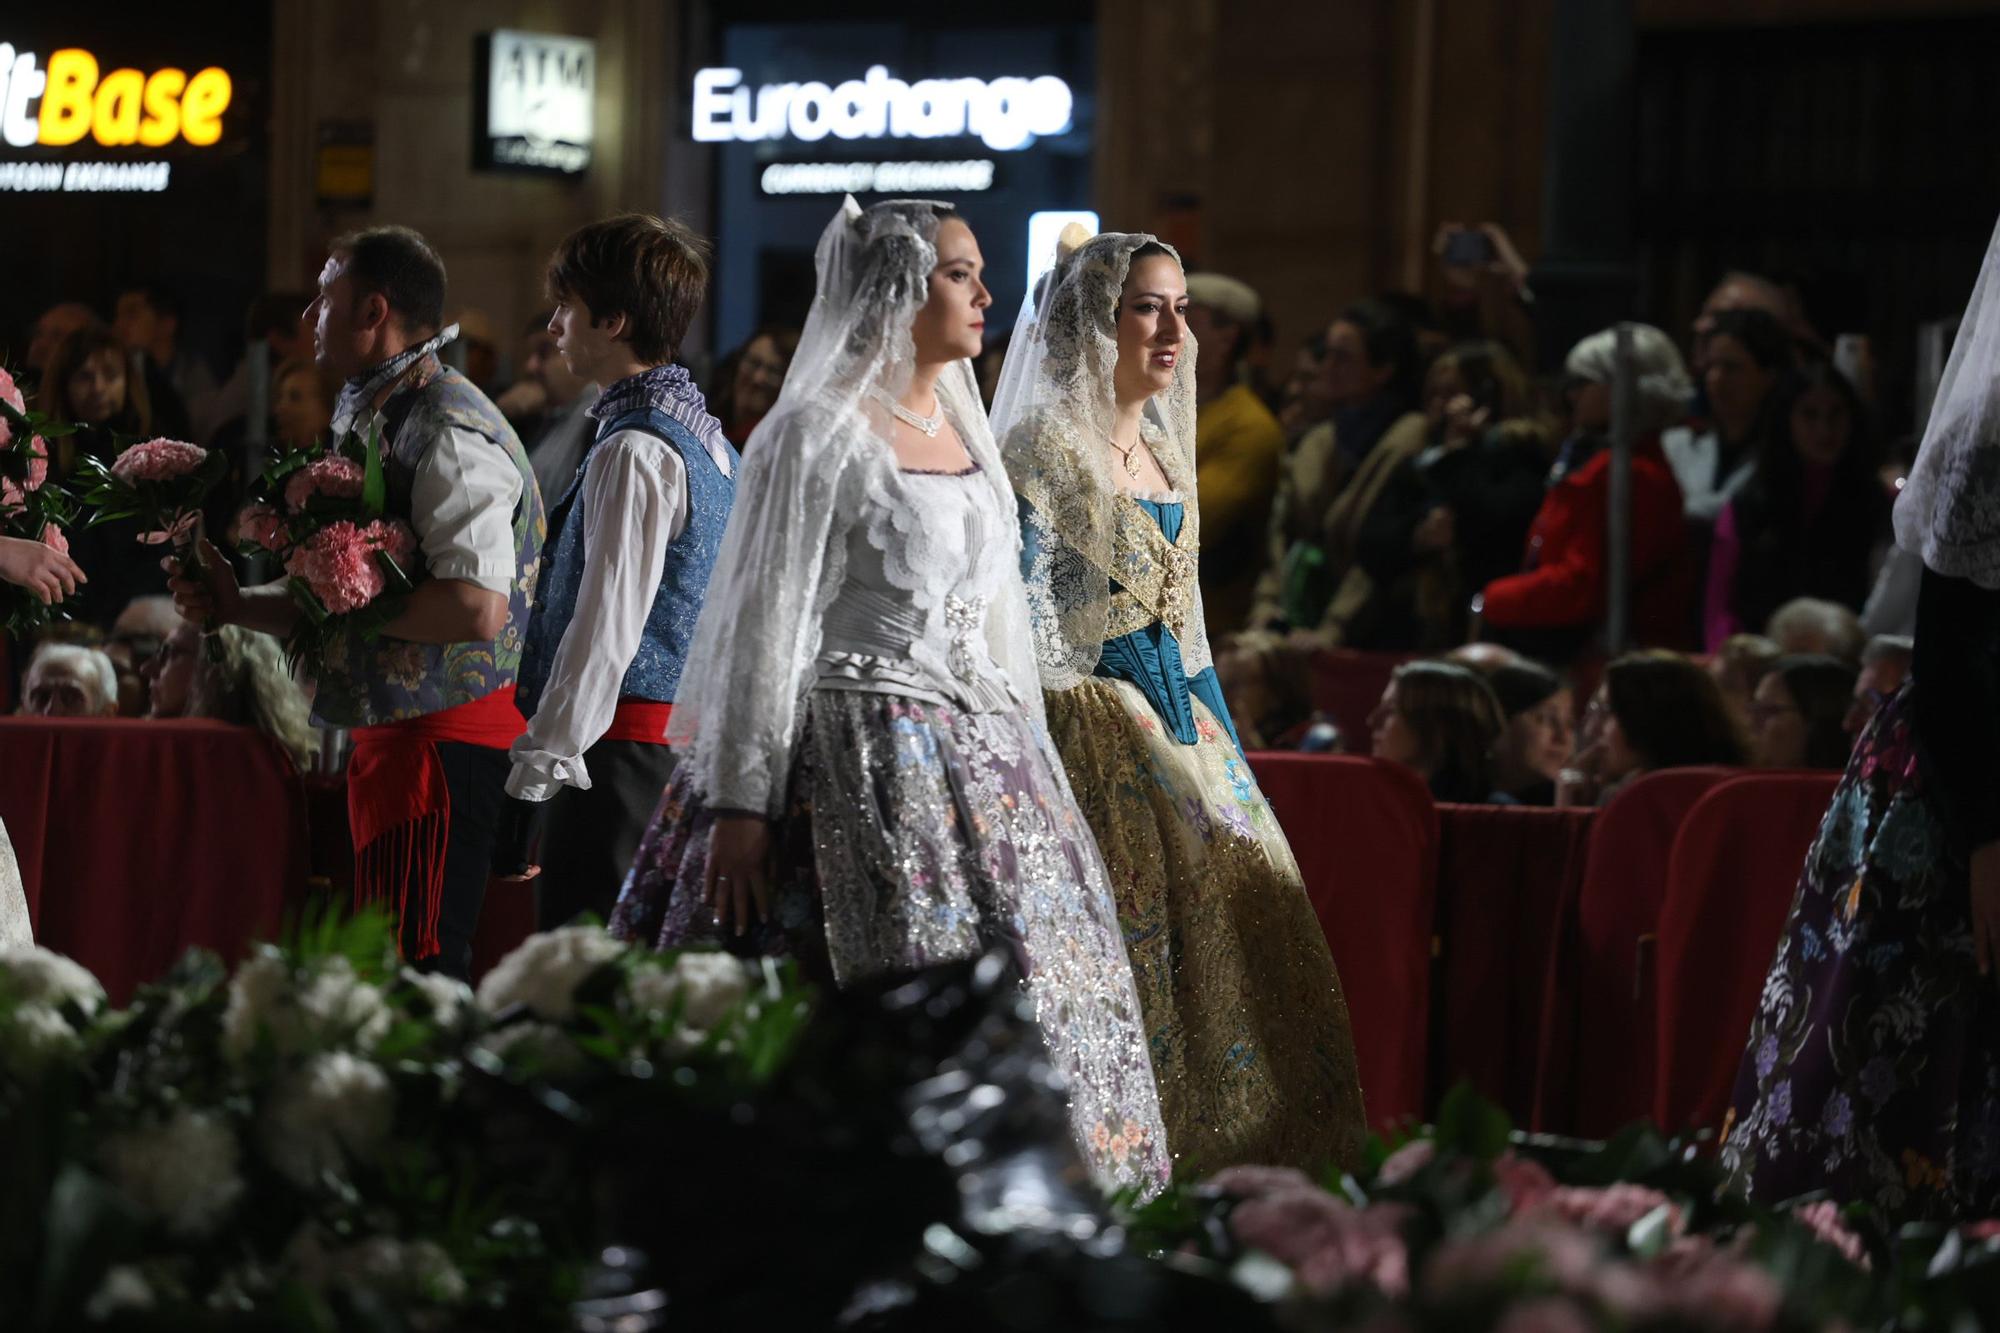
1128 456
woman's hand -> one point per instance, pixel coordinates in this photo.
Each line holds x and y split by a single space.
40 568
739 870
1986 907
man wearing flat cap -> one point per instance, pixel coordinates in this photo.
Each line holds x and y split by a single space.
1238 447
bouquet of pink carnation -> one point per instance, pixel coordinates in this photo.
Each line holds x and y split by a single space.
32 508
318 512
162 483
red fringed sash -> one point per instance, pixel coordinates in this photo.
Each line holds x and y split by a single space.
400 810
642 720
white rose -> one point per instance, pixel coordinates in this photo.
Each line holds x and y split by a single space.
329 1005
33 973
448 996
255 992
419 1268
183 1172
34 1034
544 972
341 1005
544 1048
337 1108
123 1288
713 984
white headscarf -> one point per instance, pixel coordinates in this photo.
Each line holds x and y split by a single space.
1949 512
1053 415
737 711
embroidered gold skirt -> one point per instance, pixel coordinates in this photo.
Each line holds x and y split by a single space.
1243 1008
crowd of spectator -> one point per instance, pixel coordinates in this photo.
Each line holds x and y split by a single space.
1406 485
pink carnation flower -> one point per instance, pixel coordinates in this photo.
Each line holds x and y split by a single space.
332 475
338 562
158 460
1404 1163
1716 1288
1612 1209
10 392
38 462
1822 1218
262 524
1327 1242
52 536
11 499
1525 1181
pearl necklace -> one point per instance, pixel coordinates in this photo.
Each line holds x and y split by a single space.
930 426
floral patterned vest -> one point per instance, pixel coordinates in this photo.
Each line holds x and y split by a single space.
362 684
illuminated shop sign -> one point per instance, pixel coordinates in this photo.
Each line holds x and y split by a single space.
537 92
69 100
1005 114
969 177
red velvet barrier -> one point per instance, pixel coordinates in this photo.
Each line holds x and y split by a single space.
138 840
1365 834
1504 874
1594 1074
1730 882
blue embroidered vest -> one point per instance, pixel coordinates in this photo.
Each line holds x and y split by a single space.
362 684
655 672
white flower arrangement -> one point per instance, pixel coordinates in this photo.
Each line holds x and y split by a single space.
541 1049
35 975
329 1005
335 1109
545 970
450 999
183 1171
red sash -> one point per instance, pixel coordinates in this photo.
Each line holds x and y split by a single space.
642 720
399 809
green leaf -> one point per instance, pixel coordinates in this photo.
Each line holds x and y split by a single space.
1467 1123
374 486
308 600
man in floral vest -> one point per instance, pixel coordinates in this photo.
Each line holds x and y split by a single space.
634 535
431 699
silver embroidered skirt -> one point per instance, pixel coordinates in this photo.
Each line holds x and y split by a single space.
917 833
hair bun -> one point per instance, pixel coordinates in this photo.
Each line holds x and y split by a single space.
1072 239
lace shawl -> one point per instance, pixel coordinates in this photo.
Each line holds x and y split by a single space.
1053 415
1949 511
816 461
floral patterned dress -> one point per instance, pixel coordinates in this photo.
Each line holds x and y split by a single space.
1873 1066
1244 1012
925 818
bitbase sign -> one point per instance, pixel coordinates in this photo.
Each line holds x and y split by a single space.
73 99
534 102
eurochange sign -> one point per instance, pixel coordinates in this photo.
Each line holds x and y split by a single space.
1005 114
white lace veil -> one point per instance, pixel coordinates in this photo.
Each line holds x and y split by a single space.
1053 414
1949 511
824 442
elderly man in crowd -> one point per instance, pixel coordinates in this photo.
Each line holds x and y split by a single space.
1238 445
1885 663
70 680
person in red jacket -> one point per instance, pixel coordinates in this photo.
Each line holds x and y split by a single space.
1556 607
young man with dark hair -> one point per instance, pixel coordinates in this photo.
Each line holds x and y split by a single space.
634 535
431 701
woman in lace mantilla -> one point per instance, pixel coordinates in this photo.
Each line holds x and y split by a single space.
1873 1066
865 778
1095 413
